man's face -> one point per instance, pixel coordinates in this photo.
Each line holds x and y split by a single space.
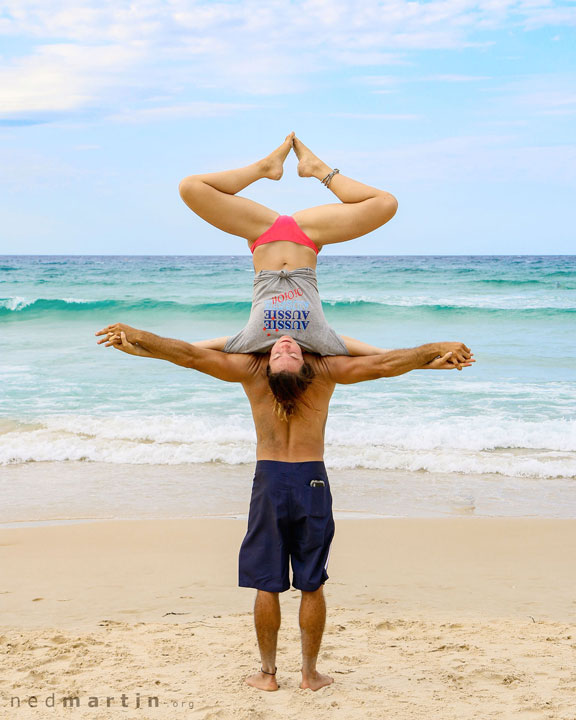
285 354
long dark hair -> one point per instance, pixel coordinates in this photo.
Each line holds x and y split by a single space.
288 387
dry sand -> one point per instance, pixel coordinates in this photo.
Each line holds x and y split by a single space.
432 618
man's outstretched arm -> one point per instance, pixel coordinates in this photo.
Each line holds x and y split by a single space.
441 356
224 366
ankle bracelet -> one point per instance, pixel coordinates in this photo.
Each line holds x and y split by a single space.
268 673
326 181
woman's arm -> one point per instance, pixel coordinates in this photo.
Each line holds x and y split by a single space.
213 344
357 347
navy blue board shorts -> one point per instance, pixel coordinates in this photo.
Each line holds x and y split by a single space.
290 520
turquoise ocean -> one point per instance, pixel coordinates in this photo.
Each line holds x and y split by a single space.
508 423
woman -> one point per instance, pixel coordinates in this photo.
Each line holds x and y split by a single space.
284 251
285 248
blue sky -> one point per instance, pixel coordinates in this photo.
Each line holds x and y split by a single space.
466 111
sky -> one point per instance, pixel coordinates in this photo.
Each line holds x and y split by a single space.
465 111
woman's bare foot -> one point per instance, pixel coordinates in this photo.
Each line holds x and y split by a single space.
315 681
309 165
262 681
272 166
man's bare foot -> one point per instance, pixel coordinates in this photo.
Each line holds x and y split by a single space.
273 165
309 165
315 681
262 682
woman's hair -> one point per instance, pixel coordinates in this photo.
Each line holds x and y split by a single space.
287 387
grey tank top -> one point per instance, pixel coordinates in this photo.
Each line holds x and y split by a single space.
286 302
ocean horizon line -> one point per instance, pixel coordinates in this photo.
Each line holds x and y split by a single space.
359 255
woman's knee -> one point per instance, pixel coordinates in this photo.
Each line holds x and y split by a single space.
387 205
190 188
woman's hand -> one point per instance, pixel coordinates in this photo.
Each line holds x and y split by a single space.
448 362
116 329
118 336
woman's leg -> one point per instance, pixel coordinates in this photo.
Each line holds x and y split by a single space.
213 196
362 208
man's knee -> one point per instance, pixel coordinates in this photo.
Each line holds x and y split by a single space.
267 599
311 594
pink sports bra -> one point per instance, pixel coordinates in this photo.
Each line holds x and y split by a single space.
287 229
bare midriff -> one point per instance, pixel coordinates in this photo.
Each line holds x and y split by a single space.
281 255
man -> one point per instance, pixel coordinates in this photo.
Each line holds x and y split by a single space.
291 506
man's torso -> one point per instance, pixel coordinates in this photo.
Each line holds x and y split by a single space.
301 437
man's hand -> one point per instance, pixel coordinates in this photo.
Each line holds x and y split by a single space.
453 355
119 336
116 329
120 342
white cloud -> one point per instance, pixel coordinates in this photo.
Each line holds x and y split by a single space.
455 78
393 81
454 159
550 16
184 110
543 94
375 116
92 51
61 77
22 168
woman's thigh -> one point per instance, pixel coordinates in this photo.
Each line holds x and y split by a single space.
339 222
231 213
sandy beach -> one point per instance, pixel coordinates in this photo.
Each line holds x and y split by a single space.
427 618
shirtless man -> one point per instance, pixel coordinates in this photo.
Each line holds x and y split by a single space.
291 507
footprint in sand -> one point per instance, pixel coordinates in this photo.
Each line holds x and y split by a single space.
530 714
386 625
210 712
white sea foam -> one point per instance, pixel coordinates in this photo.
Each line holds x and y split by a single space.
486 433
540 450
17 303
495 302
538 301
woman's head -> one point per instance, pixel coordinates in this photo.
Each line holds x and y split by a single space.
286 355
288 376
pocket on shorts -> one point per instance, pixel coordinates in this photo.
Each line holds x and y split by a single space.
318 500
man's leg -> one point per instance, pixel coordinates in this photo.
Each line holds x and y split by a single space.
312 621
267 622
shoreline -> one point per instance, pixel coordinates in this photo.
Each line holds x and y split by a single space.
64 492
339 516
57 522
